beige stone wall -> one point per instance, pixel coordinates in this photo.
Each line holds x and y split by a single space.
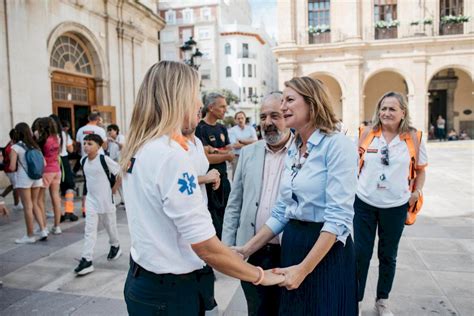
365 68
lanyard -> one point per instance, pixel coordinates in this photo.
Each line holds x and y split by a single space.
299 160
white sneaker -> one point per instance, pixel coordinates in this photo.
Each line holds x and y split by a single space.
25 240
43 235
381 306
49 214
18 207
360 308
56 230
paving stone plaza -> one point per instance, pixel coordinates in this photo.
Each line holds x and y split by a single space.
435 270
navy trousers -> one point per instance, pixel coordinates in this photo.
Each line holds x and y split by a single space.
389 222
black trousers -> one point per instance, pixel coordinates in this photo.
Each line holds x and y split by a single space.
389 222
147 293
263 300
217 202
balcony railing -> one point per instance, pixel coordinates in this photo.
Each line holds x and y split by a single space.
319 38
451 29
386 33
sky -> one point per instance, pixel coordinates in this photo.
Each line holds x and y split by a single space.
265 11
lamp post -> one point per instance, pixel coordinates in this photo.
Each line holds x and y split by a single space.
192 55
255 99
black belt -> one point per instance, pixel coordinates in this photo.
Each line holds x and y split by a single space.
137 270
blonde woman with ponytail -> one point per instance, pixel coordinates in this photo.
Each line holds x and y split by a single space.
172 236
314 208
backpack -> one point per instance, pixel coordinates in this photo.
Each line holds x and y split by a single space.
112 179
34 162
413 141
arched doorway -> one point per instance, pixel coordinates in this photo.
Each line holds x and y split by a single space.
451 96
335 92
73 84
376 86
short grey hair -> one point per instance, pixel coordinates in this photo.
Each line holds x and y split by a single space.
210 99
272 96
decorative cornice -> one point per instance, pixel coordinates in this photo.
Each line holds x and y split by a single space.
258 37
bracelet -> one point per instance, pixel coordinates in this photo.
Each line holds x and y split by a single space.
261 275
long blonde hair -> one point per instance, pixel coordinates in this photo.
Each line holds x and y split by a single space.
405 124
315 94
166 97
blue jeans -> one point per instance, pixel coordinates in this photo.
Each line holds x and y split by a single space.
390 223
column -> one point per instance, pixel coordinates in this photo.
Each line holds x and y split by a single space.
352 101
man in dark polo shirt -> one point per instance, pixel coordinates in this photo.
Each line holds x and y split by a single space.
218 150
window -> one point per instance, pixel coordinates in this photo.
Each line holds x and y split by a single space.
450 7
206 53
206 74
243 70
188 16
244 96
227 49
204 33
71 55
228 71
255 70
206 14
250 92
319 21
169 55
385 11
245 51
170 17
186 34
250 70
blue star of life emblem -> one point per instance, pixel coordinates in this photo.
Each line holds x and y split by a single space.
187 184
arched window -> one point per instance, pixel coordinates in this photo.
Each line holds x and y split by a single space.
227 49
71 55
228 72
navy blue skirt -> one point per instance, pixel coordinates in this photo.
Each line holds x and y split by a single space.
331 288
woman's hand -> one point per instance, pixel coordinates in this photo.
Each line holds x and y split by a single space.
413 198
271 278
242 251
294 276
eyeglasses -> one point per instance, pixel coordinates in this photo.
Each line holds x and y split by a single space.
384 153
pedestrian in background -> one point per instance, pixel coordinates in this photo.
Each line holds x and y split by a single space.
98 170
28 188
10 173
254 192
50 144
218 150
384 195
441 128
171 230
314 208
240 135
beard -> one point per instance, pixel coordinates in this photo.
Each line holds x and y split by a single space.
272 135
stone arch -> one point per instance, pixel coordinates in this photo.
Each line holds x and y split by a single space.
450 94
89 39
336 90
378 83
464 68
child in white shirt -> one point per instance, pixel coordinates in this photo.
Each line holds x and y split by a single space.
98 170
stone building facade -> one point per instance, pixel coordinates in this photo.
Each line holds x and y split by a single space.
362 49
72 56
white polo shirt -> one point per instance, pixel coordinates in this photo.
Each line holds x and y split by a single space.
165 209
90 129
394 190
236 133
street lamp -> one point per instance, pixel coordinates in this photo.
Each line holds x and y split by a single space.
192 55
255 100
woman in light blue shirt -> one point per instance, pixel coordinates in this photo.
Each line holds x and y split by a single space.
314 208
